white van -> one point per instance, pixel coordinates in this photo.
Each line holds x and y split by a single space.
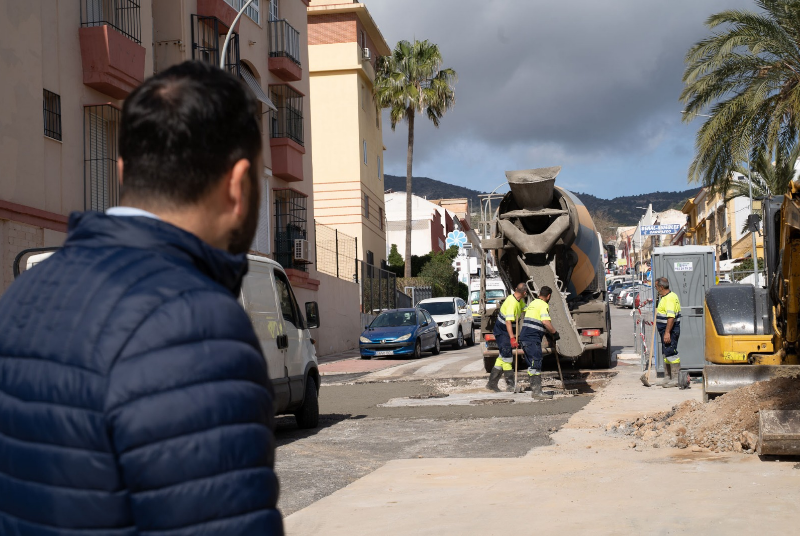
282 329
495 294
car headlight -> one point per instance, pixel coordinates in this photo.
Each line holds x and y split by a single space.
404 337
448 323
364 339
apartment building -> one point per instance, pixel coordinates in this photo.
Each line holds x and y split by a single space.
346 128
269 52
714 222
67 67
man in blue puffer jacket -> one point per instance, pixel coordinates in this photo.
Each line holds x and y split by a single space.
134 397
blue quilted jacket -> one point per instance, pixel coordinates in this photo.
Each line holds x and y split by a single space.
134 398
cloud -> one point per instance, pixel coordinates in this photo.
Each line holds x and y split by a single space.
581 80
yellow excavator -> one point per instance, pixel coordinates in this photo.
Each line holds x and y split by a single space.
753 334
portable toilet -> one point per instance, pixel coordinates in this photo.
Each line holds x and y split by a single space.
690 271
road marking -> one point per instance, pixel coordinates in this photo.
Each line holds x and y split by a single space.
439 365
473 367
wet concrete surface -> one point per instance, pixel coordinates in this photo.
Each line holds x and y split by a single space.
356 437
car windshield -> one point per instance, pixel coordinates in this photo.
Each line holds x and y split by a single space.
393 319
439 308
496 294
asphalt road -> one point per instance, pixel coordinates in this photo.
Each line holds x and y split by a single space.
358 435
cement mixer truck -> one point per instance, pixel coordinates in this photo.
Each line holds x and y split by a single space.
543 235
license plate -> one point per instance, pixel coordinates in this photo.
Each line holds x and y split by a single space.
384 352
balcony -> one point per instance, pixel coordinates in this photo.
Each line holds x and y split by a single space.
284 51
110 41
286 133
220 10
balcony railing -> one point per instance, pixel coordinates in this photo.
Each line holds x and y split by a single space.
122 15
284 41
207 40
287 121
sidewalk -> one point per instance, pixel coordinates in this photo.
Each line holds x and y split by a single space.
586 482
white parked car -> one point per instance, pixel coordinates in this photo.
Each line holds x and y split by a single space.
454 319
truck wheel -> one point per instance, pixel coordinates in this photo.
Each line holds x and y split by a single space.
488 363
308 414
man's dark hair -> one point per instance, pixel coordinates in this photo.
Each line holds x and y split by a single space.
182 130
545 291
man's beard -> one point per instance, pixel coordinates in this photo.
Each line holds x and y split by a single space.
242 238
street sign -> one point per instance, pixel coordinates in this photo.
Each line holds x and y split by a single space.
670 229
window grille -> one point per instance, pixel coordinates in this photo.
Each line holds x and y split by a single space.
122 15
290 225
379 167
52 115
100 150
287 121
208 38
366 206
365 151
380 217
253 11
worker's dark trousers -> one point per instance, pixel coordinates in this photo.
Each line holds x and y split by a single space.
531 342
504 345
670 351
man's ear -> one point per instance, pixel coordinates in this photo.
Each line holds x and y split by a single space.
239 187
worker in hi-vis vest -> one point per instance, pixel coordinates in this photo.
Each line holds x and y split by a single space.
504 326
535 326
668 323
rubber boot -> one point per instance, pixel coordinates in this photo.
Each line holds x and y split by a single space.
509 376
667 374
676 370
494 377
536 388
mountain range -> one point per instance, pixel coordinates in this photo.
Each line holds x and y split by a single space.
619 210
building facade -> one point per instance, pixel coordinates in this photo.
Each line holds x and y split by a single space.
66 68
58 136
346 127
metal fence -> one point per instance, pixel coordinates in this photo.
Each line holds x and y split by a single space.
335 253
643 327
378 289
284 41
418 294
122 15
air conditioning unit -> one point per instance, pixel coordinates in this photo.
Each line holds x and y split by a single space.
367 54
301 251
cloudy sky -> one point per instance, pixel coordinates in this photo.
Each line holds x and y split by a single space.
591 85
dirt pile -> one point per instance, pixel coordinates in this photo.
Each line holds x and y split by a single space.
728 423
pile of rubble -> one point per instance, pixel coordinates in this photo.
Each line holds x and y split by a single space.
728 423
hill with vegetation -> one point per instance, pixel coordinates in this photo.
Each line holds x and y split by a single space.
619 210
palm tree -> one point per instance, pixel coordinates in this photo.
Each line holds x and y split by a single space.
769 177
747 74
409 82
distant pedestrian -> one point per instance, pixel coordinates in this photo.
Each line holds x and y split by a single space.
134 397
535 326
504 335
668 323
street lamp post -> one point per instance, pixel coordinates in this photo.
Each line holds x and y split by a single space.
230 33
